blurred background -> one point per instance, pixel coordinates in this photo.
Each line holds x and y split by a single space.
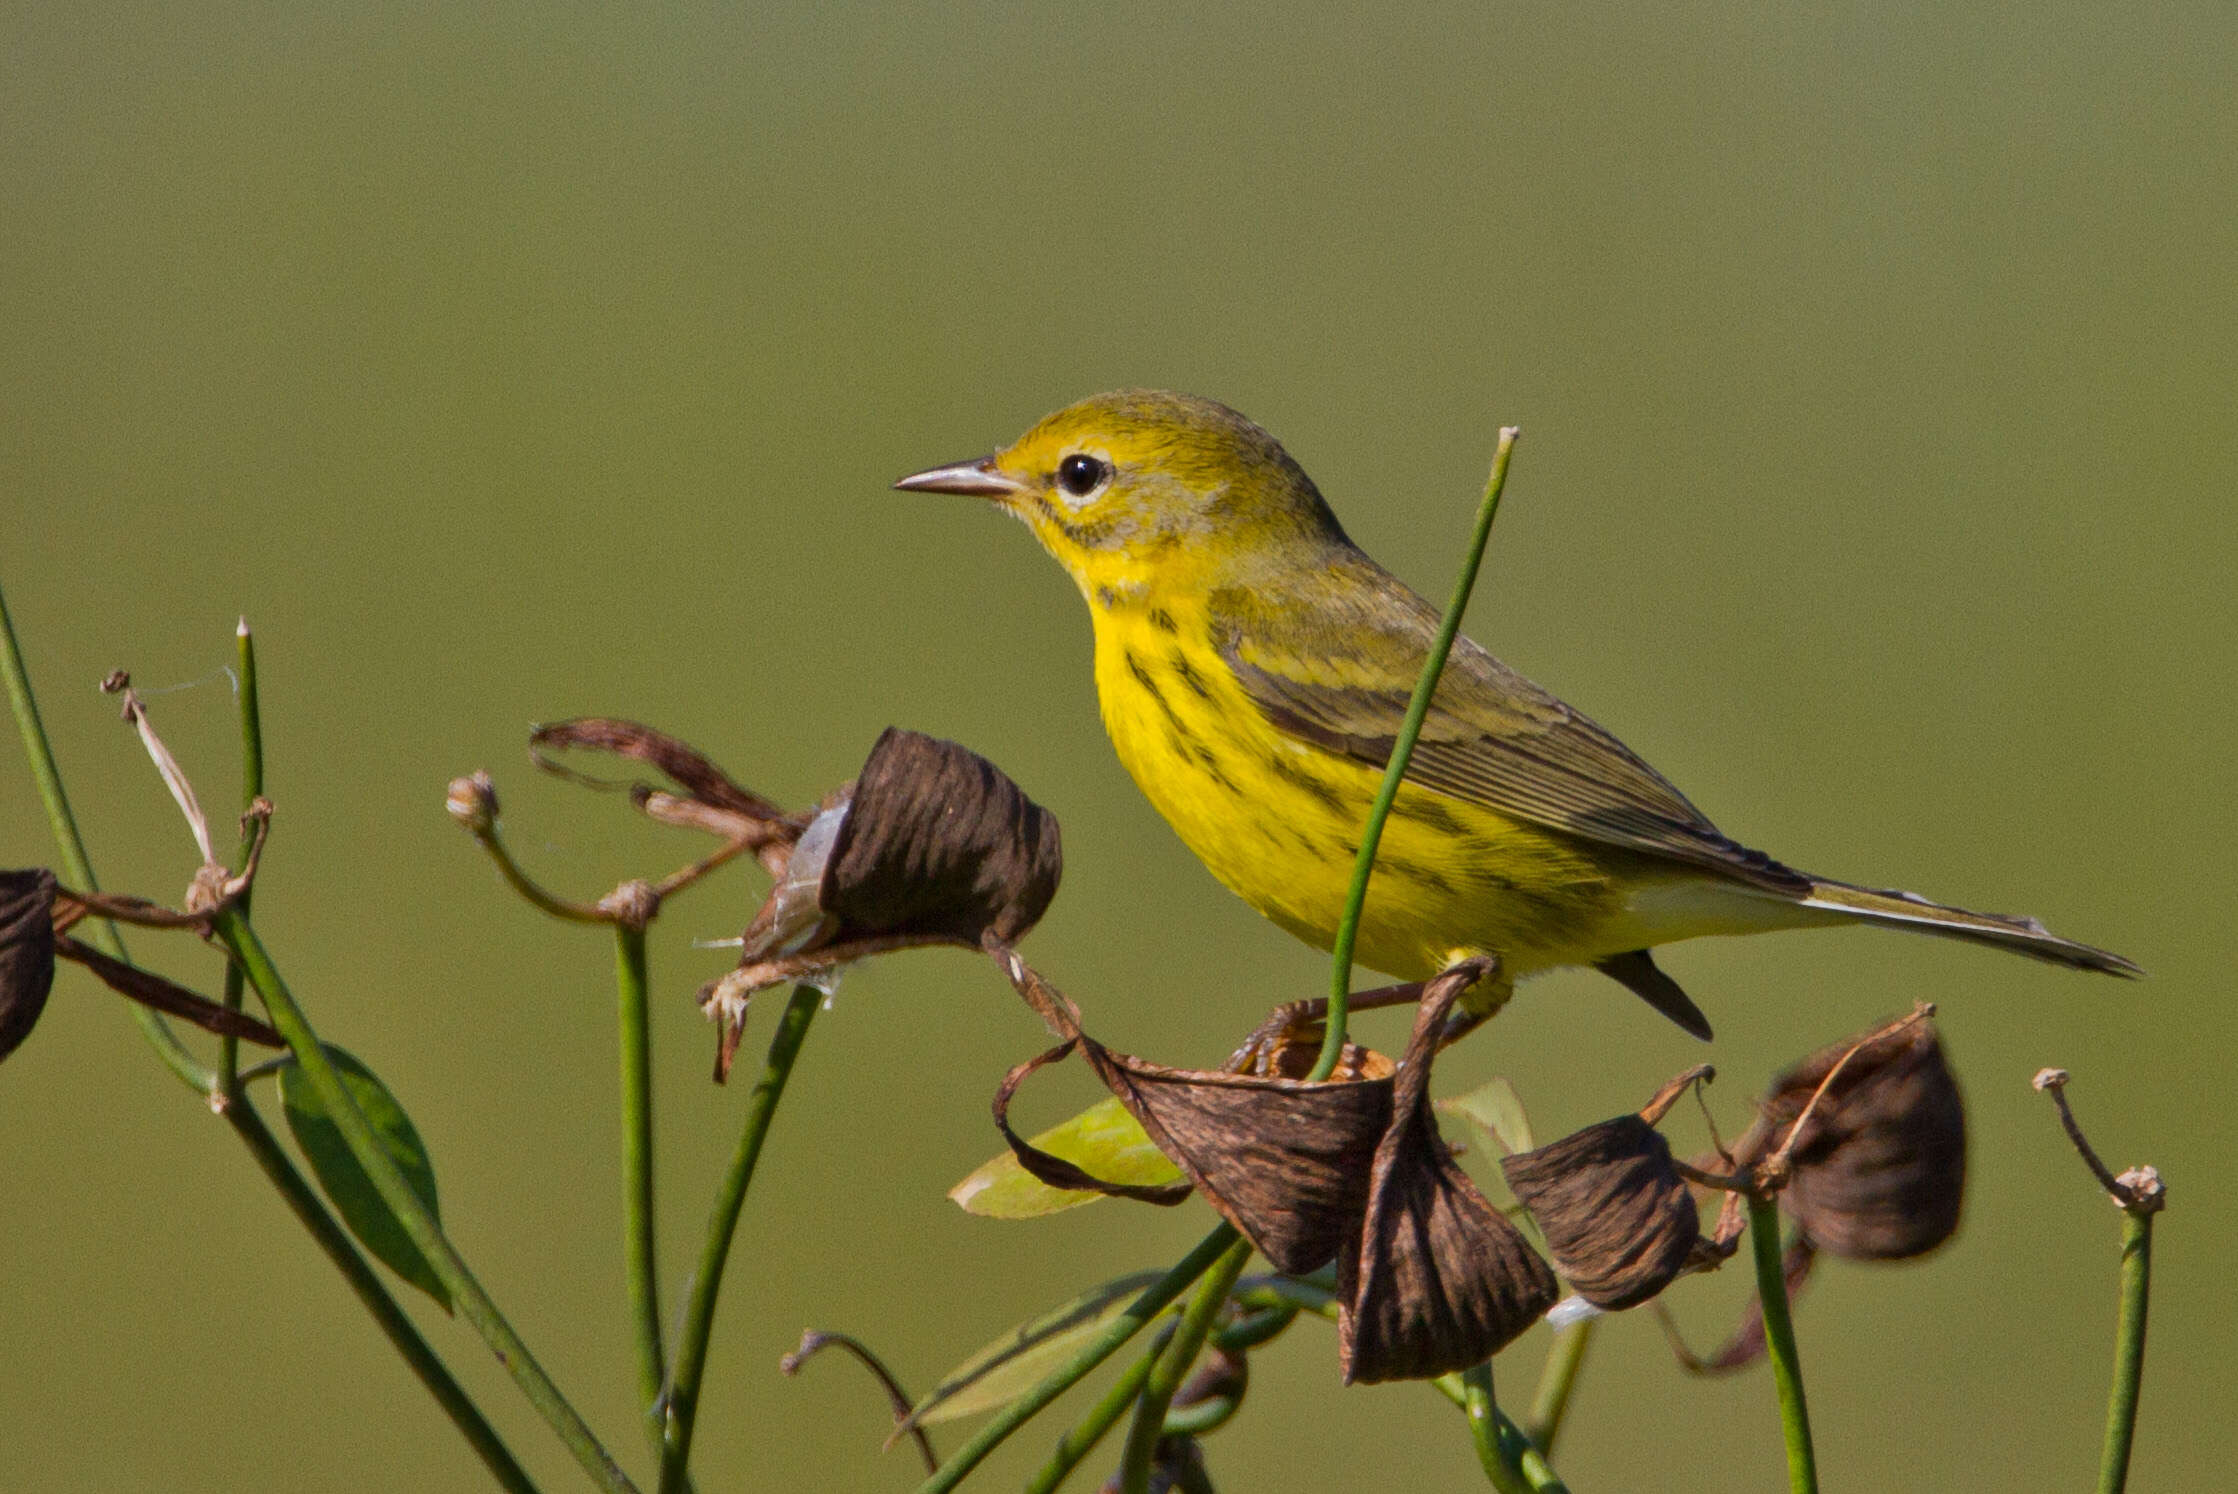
510 362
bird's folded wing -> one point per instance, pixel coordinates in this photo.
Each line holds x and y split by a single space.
1492 737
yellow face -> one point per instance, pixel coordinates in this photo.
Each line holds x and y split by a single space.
1137 487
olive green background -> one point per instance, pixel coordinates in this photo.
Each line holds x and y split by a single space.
510 362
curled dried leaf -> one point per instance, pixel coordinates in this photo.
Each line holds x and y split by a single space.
1103 1140
813 1343
1436 1279
1878 1165
26 952
1746 1344
684 765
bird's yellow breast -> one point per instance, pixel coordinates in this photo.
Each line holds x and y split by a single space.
1278 820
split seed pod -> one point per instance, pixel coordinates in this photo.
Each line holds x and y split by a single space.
1437 1279
1284 1161
1619 1221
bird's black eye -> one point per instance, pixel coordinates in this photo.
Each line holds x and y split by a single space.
1080 474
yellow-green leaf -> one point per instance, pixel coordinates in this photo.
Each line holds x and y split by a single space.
1495 1117
1494 1112
1103 1141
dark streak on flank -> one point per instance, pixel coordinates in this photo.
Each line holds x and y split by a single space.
1150 687
1210 762
1189 676
1415 872
1289 772
1429 812
1163 621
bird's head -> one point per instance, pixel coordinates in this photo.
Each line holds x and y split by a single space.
1141 490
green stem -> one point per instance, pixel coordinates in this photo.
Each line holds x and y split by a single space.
252 788
1484 1430
1418 710
241 940
1552 1401
1173 1367
630 984
2129 1349
1779 1342
682 1405
70 848
227 1100
332 1239
1148 1305
1082 1438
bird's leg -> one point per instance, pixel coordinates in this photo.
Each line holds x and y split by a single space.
1460 1024
1296 1023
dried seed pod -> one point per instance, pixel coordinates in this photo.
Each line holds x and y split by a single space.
1878 1170
1431 1278
938 841
1436 1280
26 952
931 844
1176 1463
1618 1219
1285 1161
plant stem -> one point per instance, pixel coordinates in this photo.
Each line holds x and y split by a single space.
1779 1342
639 1258
1082 1438
682 1405
1418 710
1173 1367
227 1100
331 1238
1484 1430
2129 1349
1146 1306
70 848
240 939
252 788
1552 1402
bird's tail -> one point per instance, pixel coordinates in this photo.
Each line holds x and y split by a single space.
1908 910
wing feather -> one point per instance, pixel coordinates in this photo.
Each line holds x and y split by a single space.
1340 675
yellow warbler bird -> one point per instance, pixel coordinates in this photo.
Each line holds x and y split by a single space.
1254 666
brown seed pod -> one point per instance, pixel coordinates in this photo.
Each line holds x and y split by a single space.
1878 1170
1436 1280
1284 1161
26 952
938 841
1619 1221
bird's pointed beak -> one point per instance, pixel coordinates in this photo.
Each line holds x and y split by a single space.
979 479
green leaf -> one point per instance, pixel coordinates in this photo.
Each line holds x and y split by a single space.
354 1197
1103 1140
1021 1358
1496 1115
